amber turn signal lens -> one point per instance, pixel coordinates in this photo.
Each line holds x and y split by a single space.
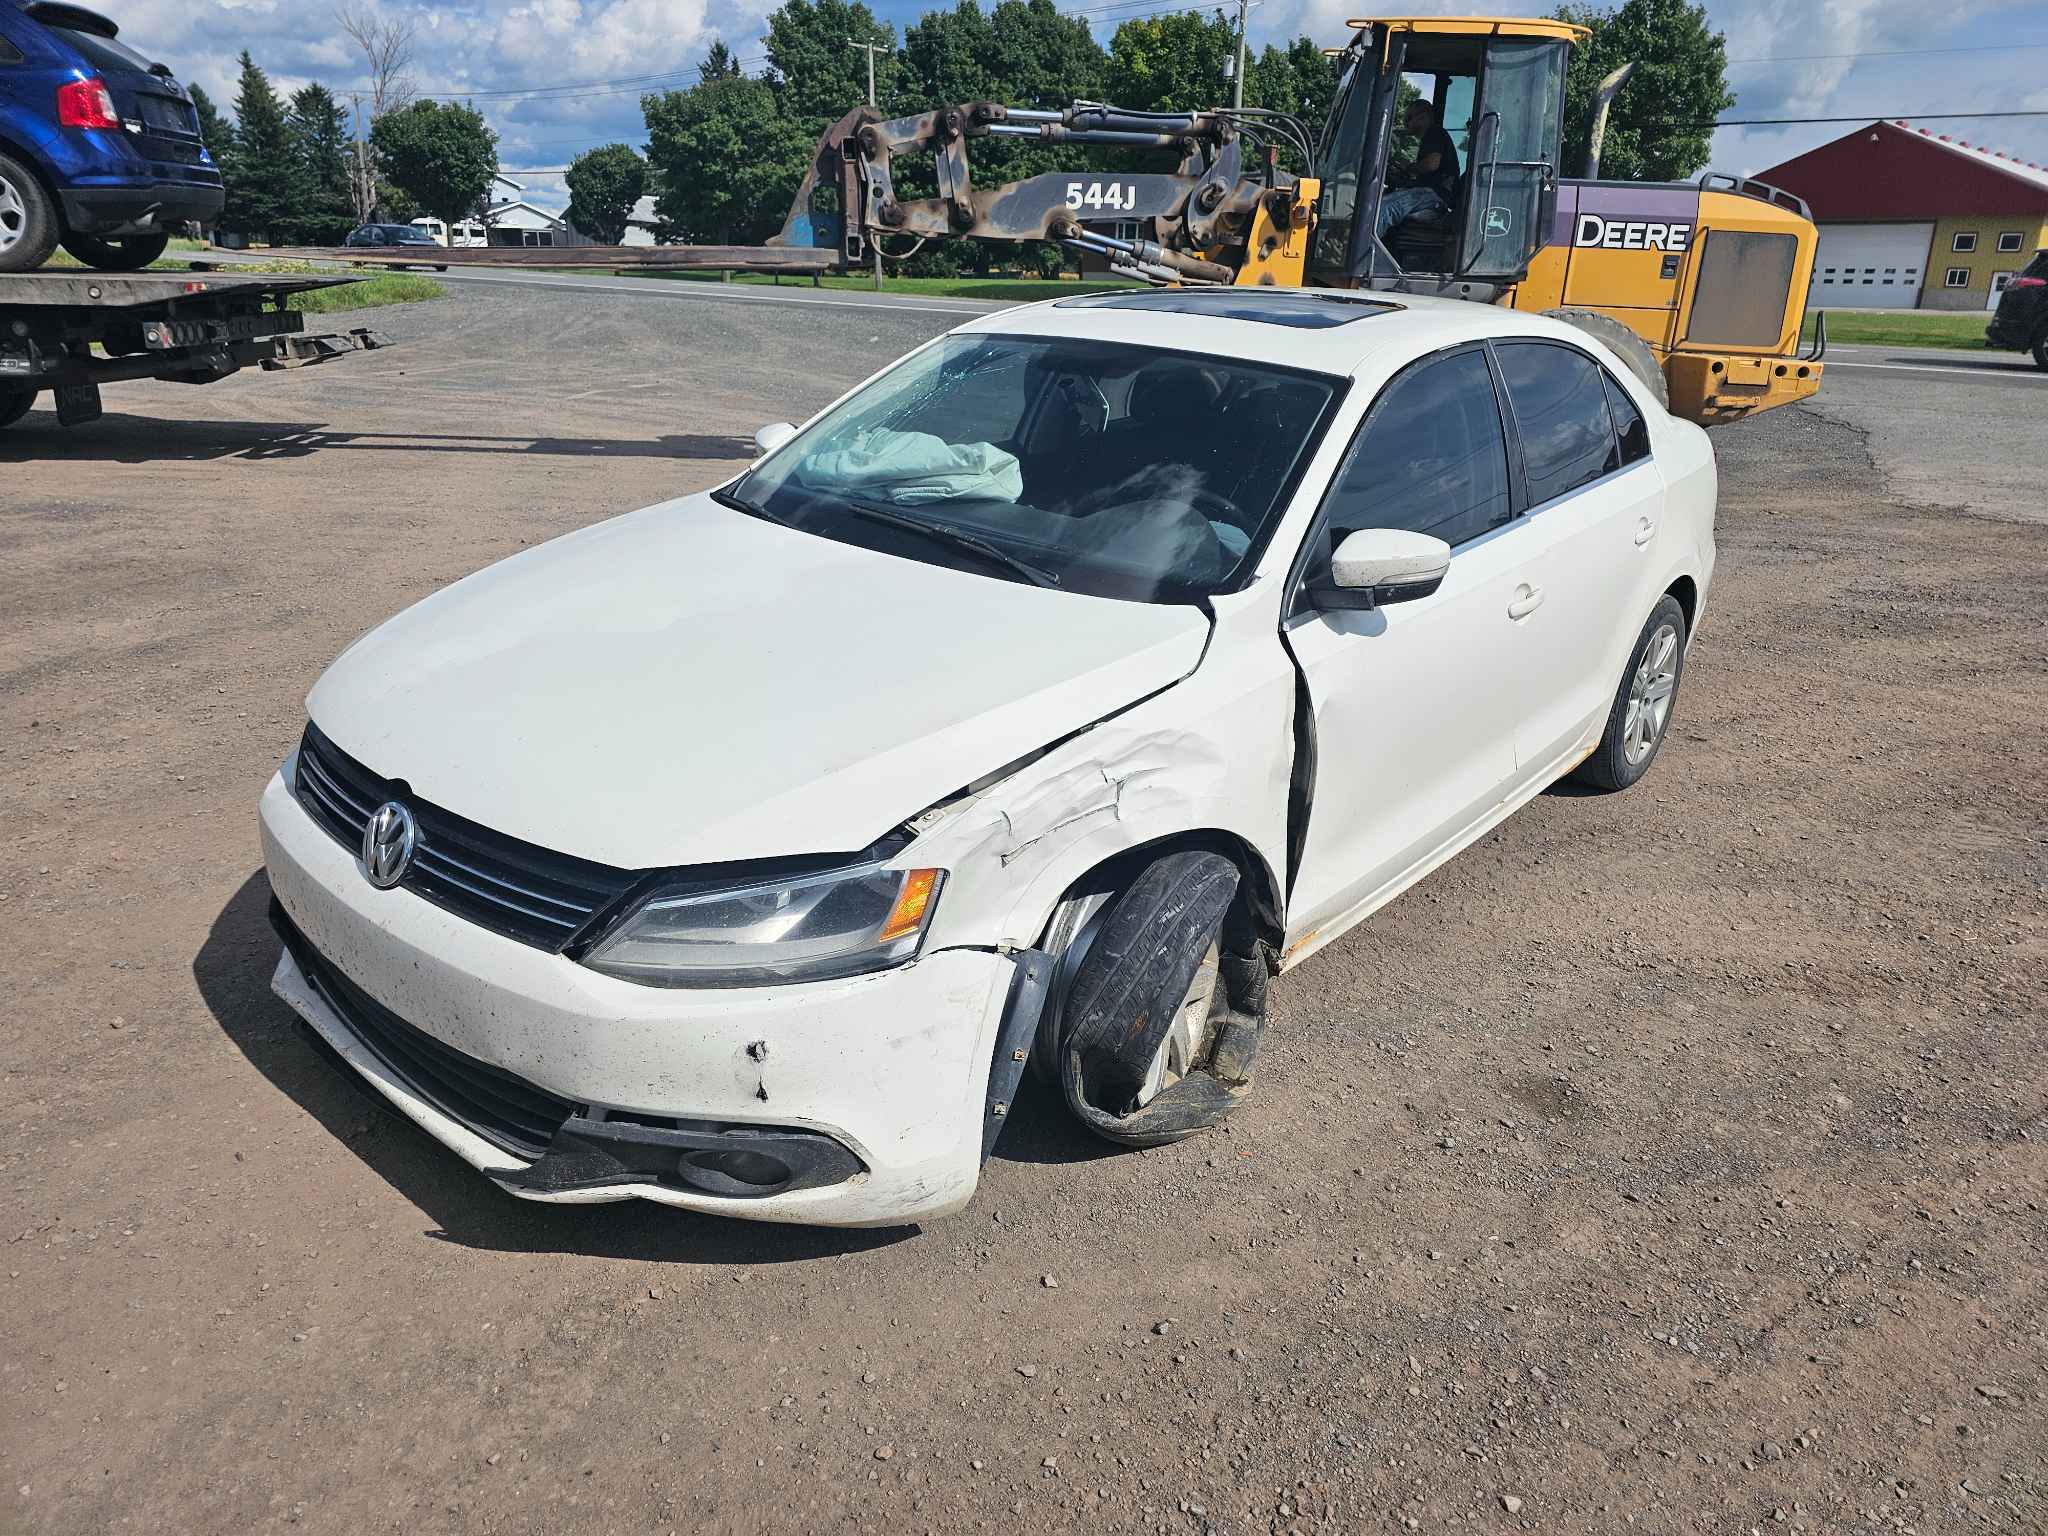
912 902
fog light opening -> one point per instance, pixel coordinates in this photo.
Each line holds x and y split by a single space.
735 1171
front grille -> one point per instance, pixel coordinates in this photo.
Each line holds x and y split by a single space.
526 893
507 1111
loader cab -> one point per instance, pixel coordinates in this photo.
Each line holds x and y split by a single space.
1495 89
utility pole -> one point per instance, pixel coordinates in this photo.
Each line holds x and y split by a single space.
871 49
363 189
1237 75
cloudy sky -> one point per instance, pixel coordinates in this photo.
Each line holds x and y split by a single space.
593 58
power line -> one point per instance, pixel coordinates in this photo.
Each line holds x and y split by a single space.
1882 53
1860 117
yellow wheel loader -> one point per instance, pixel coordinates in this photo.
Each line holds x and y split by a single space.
1699 285
1438 172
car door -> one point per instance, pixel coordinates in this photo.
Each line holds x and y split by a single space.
1595 498
1413 702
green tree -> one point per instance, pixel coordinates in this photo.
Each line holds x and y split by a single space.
215 131
727 161
1172 63
819 76
719 64
442 156
1300 79
325 210
262 172
604 184
1660 128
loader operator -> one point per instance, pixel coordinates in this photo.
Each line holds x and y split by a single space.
1433 179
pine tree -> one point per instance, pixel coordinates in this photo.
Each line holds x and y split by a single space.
325 211
263 172
720 63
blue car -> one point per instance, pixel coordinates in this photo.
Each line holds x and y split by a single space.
99 147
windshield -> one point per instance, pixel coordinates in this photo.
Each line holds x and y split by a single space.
1096 467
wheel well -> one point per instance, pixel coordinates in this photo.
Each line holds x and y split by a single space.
22 154
1687 591
1257 903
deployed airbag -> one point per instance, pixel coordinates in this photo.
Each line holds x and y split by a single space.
913 467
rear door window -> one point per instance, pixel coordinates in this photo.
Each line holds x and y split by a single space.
1560 411
1631 432
1431 458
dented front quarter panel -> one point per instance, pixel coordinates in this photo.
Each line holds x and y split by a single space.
1210 754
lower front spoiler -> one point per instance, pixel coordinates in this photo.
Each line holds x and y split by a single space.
737 1162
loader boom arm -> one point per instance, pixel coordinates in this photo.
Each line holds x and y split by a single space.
1204 212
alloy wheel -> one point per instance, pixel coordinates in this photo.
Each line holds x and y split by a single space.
1649 695
13 215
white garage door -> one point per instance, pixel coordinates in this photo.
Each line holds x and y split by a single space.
1870 266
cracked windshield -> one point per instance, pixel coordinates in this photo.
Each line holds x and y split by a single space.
1096 467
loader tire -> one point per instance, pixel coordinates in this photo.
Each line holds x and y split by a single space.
14 404
1623 343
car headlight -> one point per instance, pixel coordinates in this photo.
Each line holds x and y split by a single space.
803 928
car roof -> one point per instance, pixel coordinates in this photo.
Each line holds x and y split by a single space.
1228 323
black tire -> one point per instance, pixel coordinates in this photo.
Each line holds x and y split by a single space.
441 269
117 253
1623 343
1620 759
14 404
1151 1028
28 224
2041 350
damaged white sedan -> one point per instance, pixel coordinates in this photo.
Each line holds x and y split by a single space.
1038 701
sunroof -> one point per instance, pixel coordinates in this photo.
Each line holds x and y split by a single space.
1266 306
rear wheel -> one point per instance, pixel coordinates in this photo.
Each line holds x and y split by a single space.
14 404
117 253
1623 343
1641 713
28 224
2041 349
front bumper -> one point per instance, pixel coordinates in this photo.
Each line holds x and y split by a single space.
893 1068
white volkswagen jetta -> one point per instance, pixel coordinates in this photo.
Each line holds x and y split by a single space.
1037 701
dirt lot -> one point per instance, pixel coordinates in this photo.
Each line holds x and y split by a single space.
1671 1161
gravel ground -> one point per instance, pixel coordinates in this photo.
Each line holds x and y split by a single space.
1670 1161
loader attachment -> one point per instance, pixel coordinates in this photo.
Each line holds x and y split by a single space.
1201 214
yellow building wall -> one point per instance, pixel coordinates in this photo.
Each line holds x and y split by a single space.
1981 263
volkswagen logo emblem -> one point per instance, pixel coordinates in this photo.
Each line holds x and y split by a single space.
389 838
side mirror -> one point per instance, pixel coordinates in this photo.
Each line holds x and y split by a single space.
1377 566
773 436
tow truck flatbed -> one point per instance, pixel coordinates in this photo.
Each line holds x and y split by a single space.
71 332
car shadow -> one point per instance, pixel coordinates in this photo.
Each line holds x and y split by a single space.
125 439
233 970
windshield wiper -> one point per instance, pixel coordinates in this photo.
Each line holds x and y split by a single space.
727 497
942 533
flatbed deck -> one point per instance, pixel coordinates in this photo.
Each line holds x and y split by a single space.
69 332
124 289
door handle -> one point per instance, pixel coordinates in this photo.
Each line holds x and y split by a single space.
1527 600
1645 531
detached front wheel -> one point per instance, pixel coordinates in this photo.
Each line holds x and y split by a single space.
1157 1002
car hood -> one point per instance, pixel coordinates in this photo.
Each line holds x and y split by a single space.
691 685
